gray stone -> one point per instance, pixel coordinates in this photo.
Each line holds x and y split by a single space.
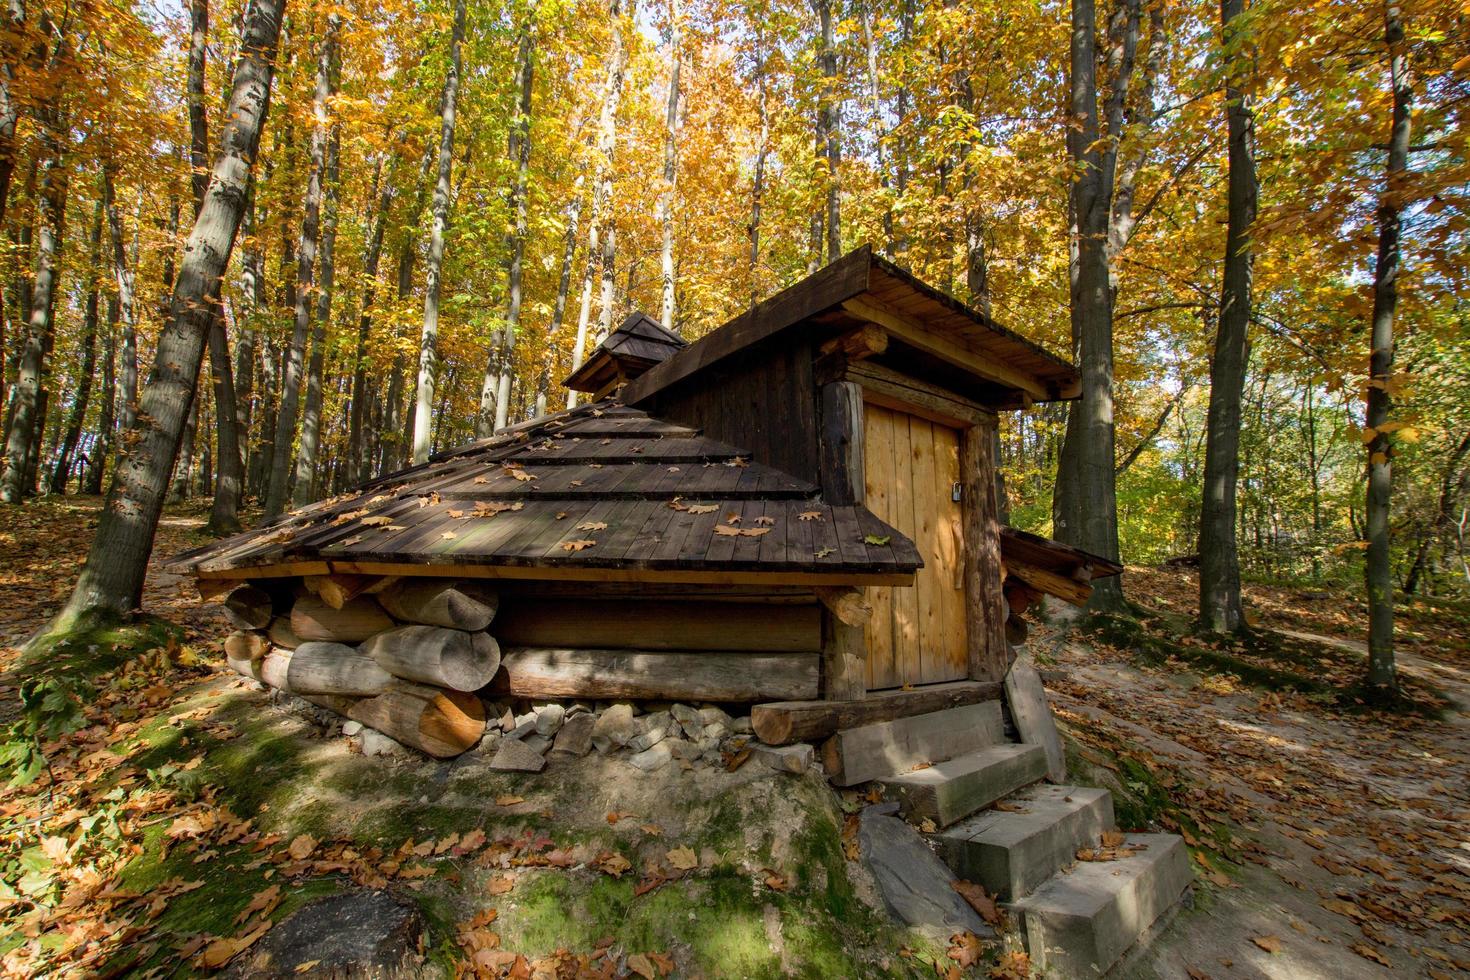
1027 698
614 728
651 759
681 749
1080 923
515 755
575 738
954 789
375 742
525 725
684 713
742 725
648 739
1012 851
711 715
655 719
795 759
578 707
549 719
539 743
358 934
916 886
351 727
711 757
715 731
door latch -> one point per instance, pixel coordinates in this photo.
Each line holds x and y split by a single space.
954 492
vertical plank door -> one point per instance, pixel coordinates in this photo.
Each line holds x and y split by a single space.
917 634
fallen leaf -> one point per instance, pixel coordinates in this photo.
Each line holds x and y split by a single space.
823 552
877 540
449 535
1369 953
683 858
302 846
1270 944
509 800
702 508
766 521
581 545
501 884
612 863
776 882
981 901
966 948
809 515
592 526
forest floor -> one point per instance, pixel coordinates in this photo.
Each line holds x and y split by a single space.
1331 839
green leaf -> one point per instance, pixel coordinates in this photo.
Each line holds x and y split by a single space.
875 539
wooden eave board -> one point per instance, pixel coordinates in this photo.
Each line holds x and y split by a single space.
1053 556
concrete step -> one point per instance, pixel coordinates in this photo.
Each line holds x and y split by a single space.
856 755
1012 851
954 789
1080 923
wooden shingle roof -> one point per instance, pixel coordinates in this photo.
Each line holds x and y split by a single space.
635 346
653 497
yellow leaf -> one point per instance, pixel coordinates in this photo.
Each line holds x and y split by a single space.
302 846
577 545
683 858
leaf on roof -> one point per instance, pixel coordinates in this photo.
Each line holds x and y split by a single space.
395 527
574 483
809 515
515 471
482 479
489 508
352 541
824 552
456 514
673 469
432 497
766 521
725 530
378 521
561 515
876 539
592 526
597 413
350 515
449 535
577 545
378 499
732 518
605 442
737 461
701 508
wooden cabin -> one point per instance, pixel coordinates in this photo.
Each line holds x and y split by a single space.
797 511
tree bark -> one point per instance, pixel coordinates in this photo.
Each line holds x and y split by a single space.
1220 608
423 416
308 242
830 116
107 414
671 167
598 250
500 371
758 182
88 365
22 445
1377 572
307 478
357 440
563 288
111 582
127 374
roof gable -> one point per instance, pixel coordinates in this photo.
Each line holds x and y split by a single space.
636 345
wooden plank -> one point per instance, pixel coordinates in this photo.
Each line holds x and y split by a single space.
989 653
949 553
782 723
906 661
843 279
878 492
570 573
629 624
1027 699
885 386
927 583
841 467
904 327
1067 589
857 755
536 672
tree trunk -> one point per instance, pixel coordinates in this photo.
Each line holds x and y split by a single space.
306 251
671 167
1378 573
758 181
830 113
423 415
599 249
307 477
107 415
22 445
127 374
563 288
357 436
1220 608
111 582
499 372
88 365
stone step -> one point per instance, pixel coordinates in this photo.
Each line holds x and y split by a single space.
1080 923
954 789
1012 851
857 755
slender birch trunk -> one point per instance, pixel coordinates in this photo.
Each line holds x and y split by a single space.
357 442
111 582
423 416
88 366
671 166
563 288
306 252
830 112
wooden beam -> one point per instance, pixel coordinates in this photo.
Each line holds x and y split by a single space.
844 660
784 722
891 389
538 672
841 464
916 335
850 606
631 624
1061 586
985 604
856 345
564 573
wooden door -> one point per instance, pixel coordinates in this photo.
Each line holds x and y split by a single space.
917 634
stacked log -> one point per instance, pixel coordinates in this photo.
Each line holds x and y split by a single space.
402 657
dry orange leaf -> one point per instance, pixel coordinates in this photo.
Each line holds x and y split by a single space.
592 526
683 858
1271 944
581 545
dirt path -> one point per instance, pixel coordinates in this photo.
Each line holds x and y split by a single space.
1355 826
